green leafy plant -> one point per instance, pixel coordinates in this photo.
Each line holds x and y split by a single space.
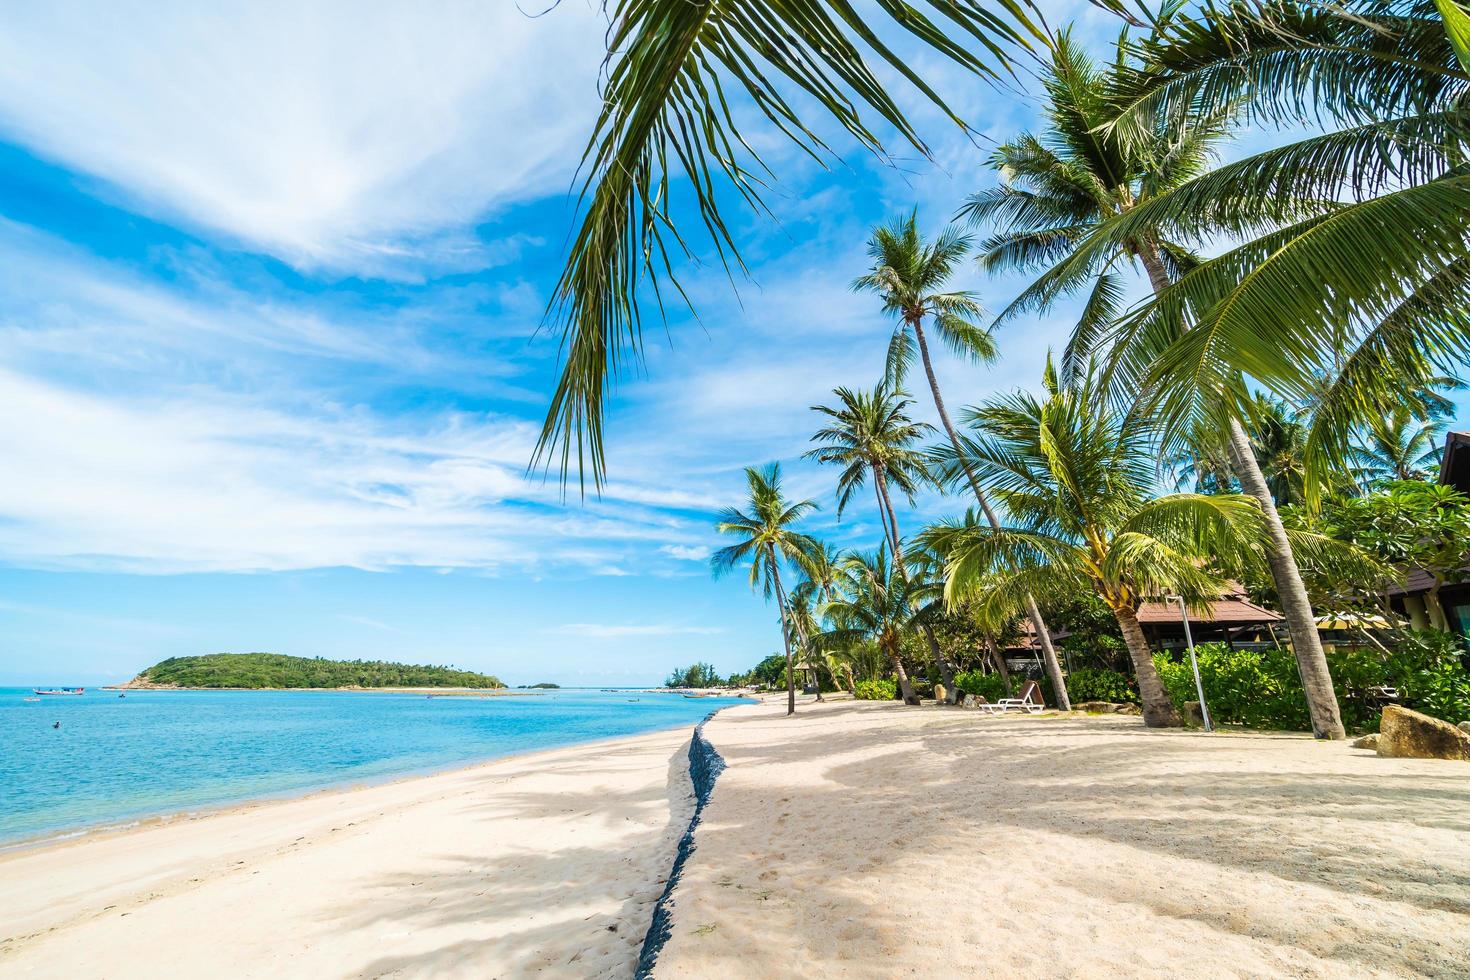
987 686
1259 689
877 690
1100 684
1429 670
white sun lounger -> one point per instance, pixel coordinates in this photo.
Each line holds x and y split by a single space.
1029 701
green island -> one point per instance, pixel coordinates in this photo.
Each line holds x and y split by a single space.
274 670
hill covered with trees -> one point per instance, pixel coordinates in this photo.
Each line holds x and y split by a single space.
274 670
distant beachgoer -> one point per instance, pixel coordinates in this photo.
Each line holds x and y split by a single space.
56 725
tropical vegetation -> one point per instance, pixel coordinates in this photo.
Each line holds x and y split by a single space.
274 670
1075 475
695 675
1270 338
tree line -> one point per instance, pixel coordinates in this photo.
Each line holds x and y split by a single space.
1302 315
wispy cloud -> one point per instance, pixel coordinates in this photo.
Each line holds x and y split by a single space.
686 552
611 631
336 135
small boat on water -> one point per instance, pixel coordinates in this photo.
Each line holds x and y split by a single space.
58 690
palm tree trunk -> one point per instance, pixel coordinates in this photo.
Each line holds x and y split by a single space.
1295 606
1001 667
785 636
905 687
885 504
1158 709
1033 612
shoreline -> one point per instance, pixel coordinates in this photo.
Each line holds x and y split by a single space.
114 828
549 860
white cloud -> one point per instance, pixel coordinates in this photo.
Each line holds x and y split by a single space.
217 482
349 136
609 631
686 552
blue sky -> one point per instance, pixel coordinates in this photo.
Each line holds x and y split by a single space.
270 283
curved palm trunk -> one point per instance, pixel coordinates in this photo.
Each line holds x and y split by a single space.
785 636
885 504
1306 644
905 686
1295 605
1158 709
1033 612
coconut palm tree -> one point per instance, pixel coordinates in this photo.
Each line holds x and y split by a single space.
801 620
872 436
1354 262
1076 480
1080 202
1278 436
768 539
873 603
1398 446
840 666
668 144
910 275
1058 186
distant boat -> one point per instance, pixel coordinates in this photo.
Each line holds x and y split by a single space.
58 690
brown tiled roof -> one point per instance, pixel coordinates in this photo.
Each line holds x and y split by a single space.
1027 634
1233 609
1417 580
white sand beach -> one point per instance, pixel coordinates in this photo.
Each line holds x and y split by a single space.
540 865
864 839
858 839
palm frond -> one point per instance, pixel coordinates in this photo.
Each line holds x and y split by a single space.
667 126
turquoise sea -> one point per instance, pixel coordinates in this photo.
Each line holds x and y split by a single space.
114 759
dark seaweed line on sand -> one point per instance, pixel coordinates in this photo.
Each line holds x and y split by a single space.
705 766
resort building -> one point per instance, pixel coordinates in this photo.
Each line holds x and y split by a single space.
1416 598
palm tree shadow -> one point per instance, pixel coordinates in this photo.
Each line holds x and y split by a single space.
963 801
519 913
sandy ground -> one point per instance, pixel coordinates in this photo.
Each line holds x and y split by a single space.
544 865
866 839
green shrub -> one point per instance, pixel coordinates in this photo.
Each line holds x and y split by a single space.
987 686
1101 684
1263 690
1428 668
877 690
1259 689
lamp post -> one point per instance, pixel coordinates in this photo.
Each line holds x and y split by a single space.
1204 709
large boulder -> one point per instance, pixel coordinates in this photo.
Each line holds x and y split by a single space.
1463 726
1405 734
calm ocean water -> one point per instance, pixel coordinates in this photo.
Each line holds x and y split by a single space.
153 752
